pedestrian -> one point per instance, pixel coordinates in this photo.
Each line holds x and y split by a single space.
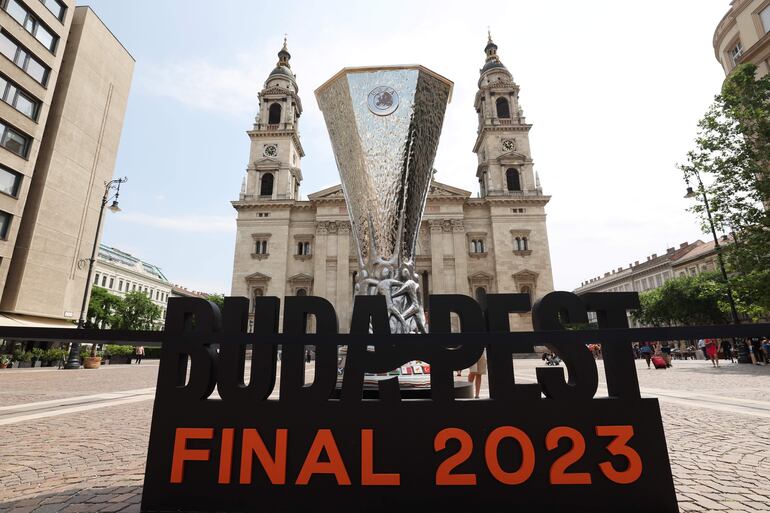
307 356
702 348
752 346
727 350
139 354
766 349
712 352
476 371
756 346
646 350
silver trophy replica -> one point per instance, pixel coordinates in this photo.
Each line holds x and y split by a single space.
384 124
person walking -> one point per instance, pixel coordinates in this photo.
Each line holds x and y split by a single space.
646 350
476 371
766 349
702 348
727 350
712 352
665 350
139 354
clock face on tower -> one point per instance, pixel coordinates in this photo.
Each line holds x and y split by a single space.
271 150
508 145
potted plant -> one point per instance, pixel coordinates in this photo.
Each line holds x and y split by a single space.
55 355
38 354
119 354
94 361
5 360
25 360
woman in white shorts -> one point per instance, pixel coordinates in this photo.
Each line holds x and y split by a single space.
476 371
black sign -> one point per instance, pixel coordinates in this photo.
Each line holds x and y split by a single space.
323 448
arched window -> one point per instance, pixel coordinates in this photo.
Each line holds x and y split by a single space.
481 296
275 114
513 179
503 110
266 187
259 293
524 244
301 292
526 290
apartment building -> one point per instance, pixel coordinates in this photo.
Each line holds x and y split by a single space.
64 81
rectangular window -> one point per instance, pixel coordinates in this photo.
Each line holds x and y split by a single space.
96 279
735 53
112 282
5 224
9 181
765 17
104 281
13 140
133 287
22 58
17 98
27 19
56 7
658 280
120 285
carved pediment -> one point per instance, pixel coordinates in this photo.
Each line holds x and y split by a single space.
512 156
525 276
267 163
443 190
480 276
300 278
257 277
334 192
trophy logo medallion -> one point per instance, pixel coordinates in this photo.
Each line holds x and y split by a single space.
383 100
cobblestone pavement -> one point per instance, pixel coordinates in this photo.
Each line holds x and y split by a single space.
94 460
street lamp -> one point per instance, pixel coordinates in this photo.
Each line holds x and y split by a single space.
73 360
717 248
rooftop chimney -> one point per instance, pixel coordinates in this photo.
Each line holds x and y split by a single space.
654 255
670 250
683 245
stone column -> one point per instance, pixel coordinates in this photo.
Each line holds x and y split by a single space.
437 256
319 259
461 256
344 288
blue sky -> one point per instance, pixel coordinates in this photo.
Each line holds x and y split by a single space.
614 93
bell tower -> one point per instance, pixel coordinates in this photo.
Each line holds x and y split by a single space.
274 171
502 144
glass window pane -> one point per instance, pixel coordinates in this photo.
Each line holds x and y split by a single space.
9 182
15 142
54 6
5 222
9 90
25 105
3 86
16 11
37 71
7 47
765 17
45 37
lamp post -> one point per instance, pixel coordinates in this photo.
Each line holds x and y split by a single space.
717 248
73 360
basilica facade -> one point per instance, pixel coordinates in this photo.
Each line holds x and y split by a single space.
494 243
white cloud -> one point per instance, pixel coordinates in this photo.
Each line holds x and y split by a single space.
183 223
203 85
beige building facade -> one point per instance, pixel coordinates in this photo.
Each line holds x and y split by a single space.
743 35
65 80
494 243
119 272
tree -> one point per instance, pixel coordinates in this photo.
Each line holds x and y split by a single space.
686 300
136 312
732 154
217 299
101 309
